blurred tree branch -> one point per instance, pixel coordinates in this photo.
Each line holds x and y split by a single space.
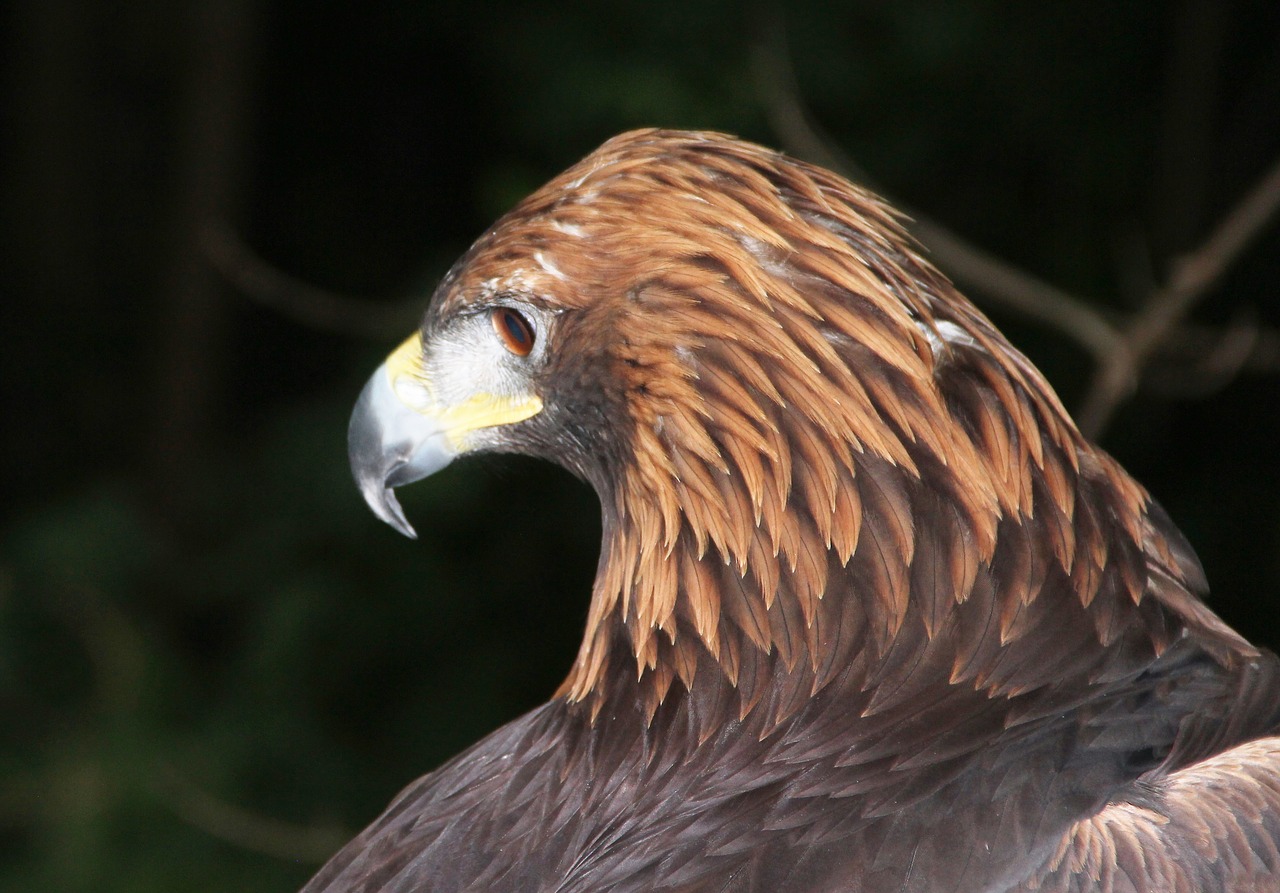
242 828
1192 277
1197 361
222 38
1003 283
299 301
1122 348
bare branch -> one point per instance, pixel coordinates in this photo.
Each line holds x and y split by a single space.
1121 352
300 302
1002 283
1019 291
1190 341
245 829
1192 278
1208 368
779 91
219 40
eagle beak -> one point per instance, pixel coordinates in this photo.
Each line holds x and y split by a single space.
391 444
399 433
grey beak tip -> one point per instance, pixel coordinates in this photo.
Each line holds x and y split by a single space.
385 505
397 519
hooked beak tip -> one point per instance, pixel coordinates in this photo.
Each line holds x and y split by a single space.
382 500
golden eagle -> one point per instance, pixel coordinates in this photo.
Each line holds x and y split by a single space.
870 613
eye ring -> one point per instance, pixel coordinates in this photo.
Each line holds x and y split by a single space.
515 332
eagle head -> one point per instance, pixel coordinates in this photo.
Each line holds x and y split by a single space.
807 444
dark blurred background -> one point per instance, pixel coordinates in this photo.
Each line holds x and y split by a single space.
218 216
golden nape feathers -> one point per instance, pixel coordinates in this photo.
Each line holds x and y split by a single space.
870 614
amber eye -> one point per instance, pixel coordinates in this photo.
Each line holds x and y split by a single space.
513 329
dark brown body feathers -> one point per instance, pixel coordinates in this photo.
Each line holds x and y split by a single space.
871 613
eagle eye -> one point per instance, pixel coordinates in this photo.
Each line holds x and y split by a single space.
514 330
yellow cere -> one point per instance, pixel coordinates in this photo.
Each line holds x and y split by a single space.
486 411
404 360
480 410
